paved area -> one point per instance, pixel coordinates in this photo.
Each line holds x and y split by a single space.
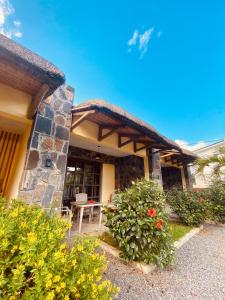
198 272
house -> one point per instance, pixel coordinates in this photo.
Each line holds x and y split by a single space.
203 180
51 150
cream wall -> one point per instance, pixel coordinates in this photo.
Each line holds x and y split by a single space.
107 182
89 131
13 101
14 106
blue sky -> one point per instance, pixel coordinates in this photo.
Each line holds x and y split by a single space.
163 61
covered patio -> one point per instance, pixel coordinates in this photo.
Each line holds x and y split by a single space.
110 148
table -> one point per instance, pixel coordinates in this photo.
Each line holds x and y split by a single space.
91 206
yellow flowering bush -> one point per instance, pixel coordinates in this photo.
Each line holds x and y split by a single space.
36 263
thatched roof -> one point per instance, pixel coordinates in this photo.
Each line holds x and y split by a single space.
127 118
26 63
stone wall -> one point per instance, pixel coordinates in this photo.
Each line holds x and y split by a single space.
155 166
49 140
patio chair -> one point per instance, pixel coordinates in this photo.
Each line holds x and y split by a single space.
64 212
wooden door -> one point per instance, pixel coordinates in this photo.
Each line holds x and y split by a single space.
8 145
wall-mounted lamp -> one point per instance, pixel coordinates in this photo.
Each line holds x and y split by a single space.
48 163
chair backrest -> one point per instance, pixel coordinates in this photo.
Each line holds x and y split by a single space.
81 198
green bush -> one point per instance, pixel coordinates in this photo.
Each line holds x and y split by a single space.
190 206
216 197
139 224
35 263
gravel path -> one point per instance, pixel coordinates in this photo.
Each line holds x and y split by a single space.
198 272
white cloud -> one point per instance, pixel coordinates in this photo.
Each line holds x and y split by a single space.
9 30
159 33
134 38
192 147
144 41
140 41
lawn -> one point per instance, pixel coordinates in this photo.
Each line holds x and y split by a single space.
177 230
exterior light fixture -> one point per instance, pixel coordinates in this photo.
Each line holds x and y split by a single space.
48 163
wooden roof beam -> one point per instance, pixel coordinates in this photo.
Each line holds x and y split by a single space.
81 118
37 99
111 129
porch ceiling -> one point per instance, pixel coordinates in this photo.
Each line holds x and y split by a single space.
92 146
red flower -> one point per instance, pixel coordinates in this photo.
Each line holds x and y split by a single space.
159 224
151 212
91 201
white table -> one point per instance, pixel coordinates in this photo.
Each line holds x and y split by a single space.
91 206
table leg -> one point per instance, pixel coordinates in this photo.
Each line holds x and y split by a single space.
90 214
100 217
81 218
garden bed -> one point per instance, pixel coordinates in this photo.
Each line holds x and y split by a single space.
180 233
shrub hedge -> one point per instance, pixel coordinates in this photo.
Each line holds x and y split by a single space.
140 225
190 206
35 263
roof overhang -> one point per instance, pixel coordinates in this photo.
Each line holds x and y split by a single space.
111 119
26 71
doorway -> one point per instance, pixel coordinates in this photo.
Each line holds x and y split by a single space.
82 177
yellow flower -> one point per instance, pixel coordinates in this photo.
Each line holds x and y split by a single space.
50 296
48 283
23 224
96 271
12 298
63 285
63 246
14 213
49 276
74 262
35 222
80 247
66 297
58 289
5 243
56 278
31 237
41 263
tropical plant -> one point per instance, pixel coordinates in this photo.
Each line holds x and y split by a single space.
216 162
190 206
139 224
216 195
36 263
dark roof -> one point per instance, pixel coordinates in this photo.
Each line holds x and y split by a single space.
132 121
31 63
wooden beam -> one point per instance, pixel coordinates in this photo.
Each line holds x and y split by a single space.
122 144
136 149
40 95
131 138
81 119
111 128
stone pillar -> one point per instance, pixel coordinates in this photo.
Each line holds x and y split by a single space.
44 173
155 166
183 178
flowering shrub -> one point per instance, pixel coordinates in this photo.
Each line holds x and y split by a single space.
139 224
216 196
190 206
35 263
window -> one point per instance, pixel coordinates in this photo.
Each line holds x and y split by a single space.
82 177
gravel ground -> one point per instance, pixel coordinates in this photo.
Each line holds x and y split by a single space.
198 272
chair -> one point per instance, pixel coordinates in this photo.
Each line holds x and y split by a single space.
64 212
81 198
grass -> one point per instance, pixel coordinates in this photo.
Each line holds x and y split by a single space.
177 230
108 239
